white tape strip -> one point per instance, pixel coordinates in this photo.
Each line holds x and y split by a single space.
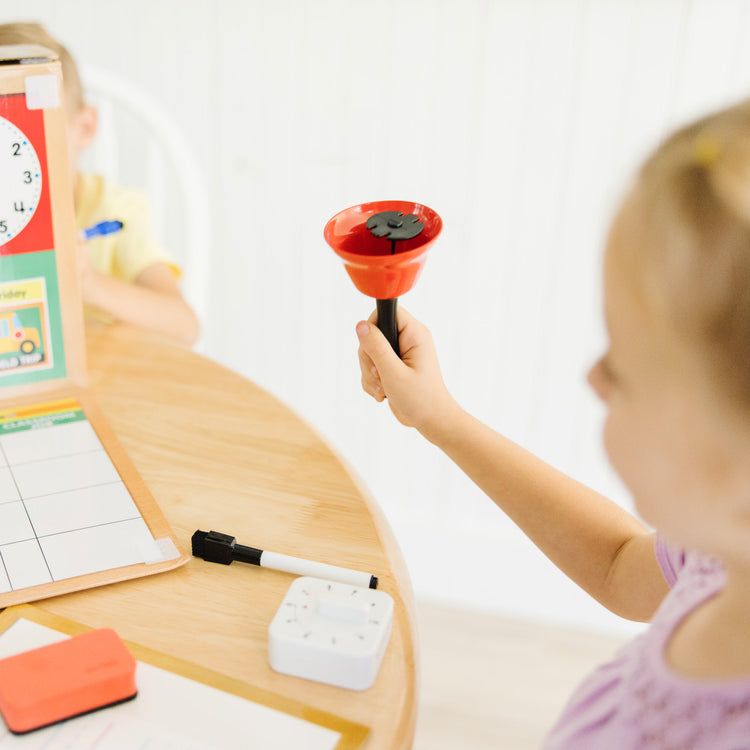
42 92
167 548
157 550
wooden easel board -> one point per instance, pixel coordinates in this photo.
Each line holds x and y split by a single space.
42 345
74 512
179 706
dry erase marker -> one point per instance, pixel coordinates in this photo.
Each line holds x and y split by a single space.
222 548
100 229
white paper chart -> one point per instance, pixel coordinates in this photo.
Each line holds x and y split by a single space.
64 510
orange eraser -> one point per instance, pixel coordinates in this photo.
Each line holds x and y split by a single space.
71 677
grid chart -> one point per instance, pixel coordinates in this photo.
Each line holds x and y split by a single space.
64 510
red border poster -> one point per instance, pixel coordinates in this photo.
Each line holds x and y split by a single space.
37 235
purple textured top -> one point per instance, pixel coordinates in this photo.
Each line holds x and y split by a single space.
635 702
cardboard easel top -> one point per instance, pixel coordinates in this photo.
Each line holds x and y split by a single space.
34 69
23 54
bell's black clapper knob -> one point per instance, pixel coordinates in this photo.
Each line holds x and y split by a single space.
394 225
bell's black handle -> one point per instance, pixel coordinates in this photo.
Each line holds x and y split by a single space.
387 322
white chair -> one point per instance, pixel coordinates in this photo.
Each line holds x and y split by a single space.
140 145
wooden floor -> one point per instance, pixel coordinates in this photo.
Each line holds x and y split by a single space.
493 683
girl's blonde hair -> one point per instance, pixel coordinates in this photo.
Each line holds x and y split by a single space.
693 246
34 33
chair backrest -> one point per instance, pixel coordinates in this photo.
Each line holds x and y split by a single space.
139 144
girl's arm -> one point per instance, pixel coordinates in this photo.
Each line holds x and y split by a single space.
154 301
600 546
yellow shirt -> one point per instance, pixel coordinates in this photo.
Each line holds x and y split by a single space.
126 253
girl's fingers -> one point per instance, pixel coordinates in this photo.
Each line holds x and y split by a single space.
370 378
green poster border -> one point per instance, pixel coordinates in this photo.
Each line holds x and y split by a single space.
42 421
23 266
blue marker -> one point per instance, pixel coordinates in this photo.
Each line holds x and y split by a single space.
100 229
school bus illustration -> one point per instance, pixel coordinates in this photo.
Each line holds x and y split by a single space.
14 337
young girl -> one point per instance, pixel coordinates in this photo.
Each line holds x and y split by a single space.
676 384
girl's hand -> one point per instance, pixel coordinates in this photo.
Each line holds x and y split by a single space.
413 384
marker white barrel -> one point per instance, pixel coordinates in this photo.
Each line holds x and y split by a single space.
301 567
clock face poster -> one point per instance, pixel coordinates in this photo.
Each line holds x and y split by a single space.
31 339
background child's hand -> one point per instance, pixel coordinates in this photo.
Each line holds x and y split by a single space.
413 384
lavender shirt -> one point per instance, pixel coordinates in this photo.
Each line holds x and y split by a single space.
635 702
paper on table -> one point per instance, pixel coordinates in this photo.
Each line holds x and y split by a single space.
170 712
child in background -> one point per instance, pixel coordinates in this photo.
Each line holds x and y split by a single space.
676 384
127 276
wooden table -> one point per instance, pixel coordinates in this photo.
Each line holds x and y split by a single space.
218 452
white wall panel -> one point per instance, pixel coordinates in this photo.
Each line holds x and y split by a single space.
520 122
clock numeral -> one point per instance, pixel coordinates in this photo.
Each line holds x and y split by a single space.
3 226
16 149
18 207
27 177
